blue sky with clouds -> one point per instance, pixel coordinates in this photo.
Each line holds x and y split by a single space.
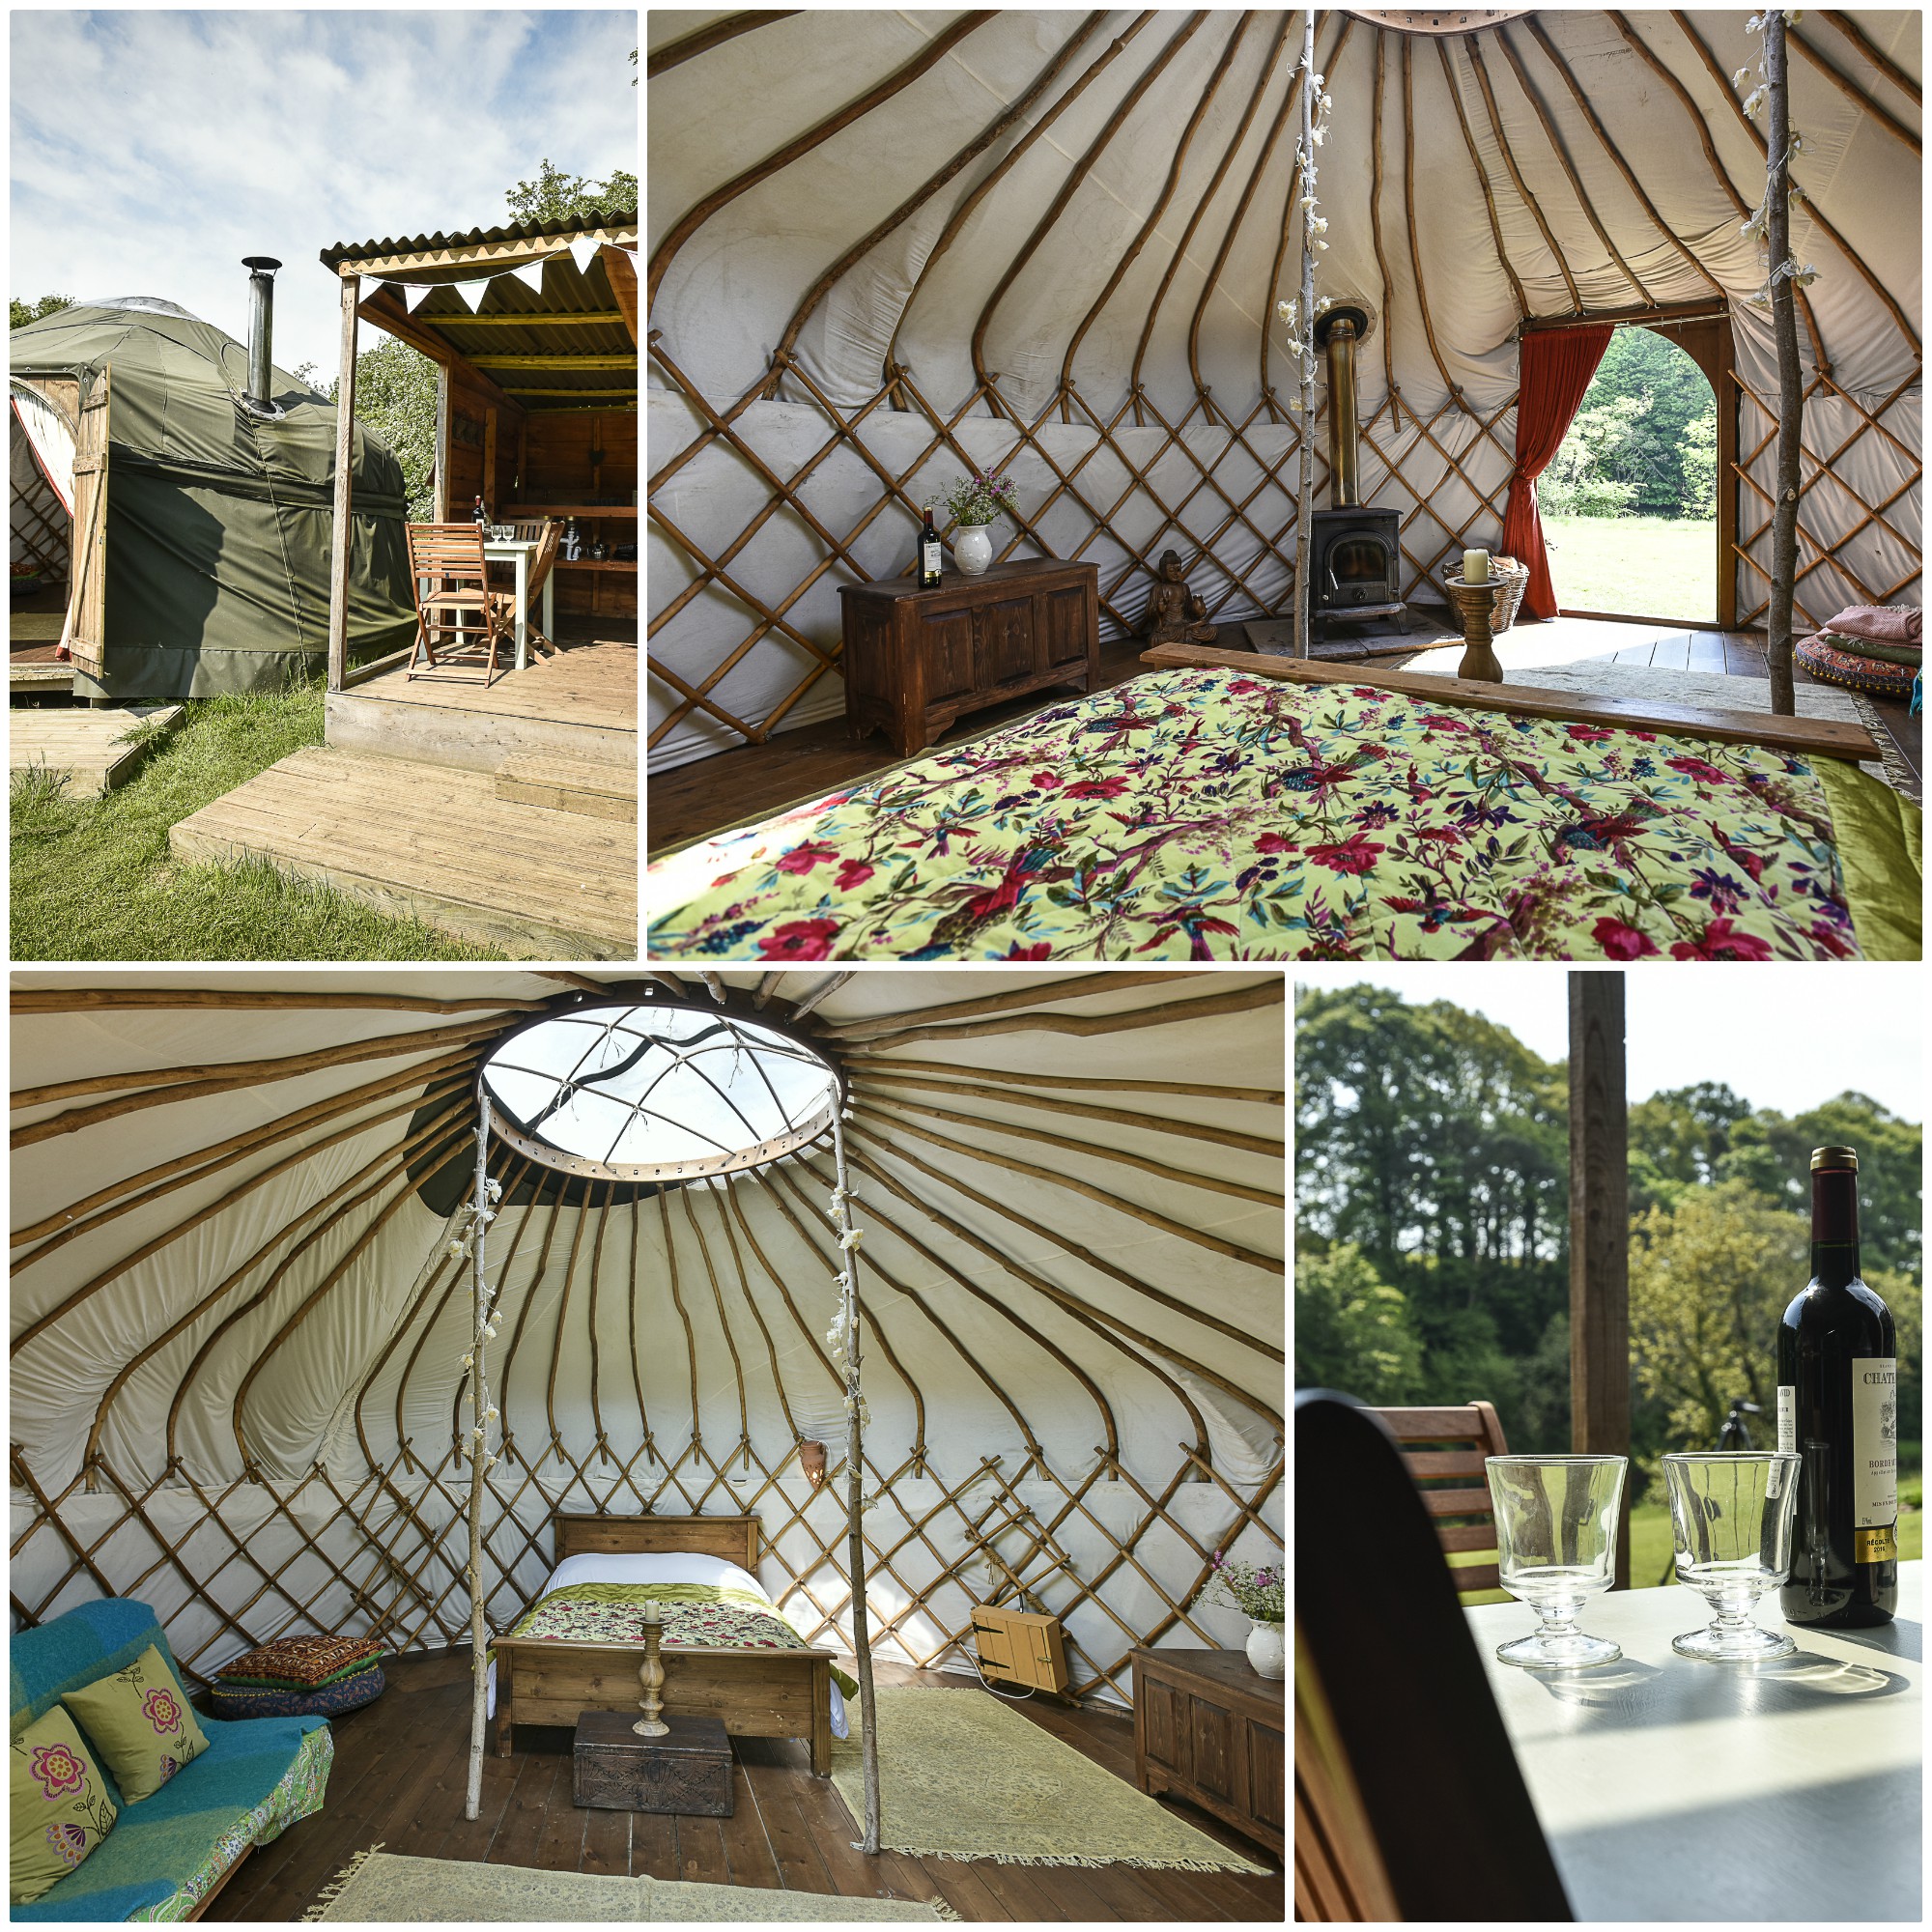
153 150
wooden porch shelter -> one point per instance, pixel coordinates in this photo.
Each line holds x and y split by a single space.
533 330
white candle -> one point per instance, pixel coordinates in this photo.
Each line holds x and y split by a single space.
652 1613
1475 566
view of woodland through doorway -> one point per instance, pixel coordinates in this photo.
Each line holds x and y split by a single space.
1629 502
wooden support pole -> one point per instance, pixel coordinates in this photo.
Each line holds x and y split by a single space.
1600 1362
1790 378
342 530
479 1457
1304 486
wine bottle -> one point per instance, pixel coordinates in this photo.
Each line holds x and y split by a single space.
1837 1411
929 555
482 520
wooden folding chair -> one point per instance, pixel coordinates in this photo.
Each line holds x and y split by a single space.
1444 1449
548 536
459 620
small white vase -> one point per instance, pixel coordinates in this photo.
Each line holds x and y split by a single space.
972 548
1266 1650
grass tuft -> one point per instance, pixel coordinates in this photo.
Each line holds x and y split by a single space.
93 878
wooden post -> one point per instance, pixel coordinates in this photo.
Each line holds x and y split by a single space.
342 531
1304 492
1790 384
479 1452
1600 1363
440 498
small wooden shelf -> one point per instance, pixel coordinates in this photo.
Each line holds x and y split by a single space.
595 563
577 509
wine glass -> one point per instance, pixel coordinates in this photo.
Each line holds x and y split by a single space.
1556 1544
1730 1515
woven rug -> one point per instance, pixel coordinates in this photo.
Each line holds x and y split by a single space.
963 1776
379 1888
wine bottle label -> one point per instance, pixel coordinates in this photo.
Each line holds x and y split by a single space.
1787 1419
929 558
1874 1442
1874 1545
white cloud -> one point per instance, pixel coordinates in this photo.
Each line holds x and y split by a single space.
152 150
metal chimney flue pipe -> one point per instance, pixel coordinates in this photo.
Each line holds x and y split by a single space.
261 329
1345 486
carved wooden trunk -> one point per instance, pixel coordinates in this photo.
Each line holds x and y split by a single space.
1207 1728
917 660
689 1772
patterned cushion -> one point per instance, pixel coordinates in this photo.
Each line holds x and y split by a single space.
60 1807
229 1699
1855 673
139 1720
302 1662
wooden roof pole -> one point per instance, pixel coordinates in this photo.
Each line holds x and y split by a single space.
1854 92
1381 259
342 530
1449 382
1881 61
1719 173
1529 201
1482 180
691 45
620 269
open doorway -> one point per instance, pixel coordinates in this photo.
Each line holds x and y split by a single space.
1636 505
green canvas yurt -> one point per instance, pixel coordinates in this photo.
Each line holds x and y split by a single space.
204 566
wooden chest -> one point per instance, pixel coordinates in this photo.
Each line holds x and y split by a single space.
1208 1729
689 1772
917 660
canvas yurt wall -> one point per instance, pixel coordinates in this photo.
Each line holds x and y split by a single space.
237 1334
887 249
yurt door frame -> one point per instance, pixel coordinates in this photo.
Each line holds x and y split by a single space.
85 633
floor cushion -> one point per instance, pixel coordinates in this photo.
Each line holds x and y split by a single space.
1833 665
302 1663
229 1699
59 1805
139 1720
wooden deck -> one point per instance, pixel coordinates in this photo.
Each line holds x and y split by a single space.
401 1765
437 843
89 744
582 704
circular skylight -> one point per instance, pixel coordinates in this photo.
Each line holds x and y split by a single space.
657 1092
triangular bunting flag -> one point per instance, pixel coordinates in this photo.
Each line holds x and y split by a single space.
531 274
581 249
414 293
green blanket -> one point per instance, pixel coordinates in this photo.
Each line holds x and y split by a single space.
703 1615
1211 814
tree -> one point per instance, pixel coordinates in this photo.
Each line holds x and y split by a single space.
1697 463
556 196
20 313
1352 1330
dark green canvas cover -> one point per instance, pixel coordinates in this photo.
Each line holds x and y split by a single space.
217 518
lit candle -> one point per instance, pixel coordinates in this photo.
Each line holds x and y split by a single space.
1475 566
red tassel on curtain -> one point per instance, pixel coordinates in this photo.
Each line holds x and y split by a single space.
1554 370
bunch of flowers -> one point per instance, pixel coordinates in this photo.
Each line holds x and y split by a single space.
1758 226
1256 1593
979 499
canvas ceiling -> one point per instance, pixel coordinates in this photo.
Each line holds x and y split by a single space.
1169 135
234 1387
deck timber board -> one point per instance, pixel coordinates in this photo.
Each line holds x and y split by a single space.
83 741
1816 737
436 844
590 786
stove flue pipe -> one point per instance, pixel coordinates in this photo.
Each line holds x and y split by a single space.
261 329
1338 332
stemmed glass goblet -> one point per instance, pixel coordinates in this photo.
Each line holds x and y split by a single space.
1731 1515
1557 1545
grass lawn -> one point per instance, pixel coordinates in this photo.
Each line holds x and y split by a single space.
93 877
1650 566
1651 1547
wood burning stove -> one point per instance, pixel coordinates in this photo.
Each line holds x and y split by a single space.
1354 556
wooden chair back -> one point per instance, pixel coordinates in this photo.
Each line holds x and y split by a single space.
548 536
458 630
1410 1804
449 556
530 530
1444 1449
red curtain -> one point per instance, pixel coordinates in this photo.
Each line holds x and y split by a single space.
1554 370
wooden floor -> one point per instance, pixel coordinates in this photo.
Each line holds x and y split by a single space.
435 842
89 745
756 781
401 1765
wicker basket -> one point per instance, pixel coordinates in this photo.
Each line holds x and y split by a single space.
1511 576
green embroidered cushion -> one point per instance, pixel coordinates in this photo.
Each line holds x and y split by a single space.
60 1806
141 1723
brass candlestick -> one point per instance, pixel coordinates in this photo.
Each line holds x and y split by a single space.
651 1674
1475 606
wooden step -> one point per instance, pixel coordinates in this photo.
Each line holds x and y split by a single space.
89 744
589 785
435 842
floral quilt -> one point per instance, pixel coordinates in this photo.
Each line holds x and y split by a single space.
704 1615
1209 815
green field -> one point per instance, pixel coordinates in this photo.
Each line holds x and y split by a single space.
93 877
1647 566
1651 1550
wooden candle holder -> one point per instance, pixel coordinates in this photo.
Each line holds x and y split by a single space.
651 1675
1475 608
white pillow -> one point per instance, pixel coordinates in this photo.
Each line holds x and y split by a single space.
668 1566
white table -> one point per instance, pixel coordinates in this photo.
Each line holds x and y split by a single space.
1675 1790
509 550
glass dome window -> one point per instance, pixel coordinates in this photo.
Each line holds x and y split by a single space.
657 1091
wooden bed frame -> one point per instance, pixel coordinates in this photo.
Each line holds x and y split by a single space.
759 1693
